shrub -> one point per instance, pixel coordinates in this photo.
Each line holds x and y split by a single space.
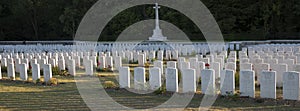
160 90
37 81
109 85
147 76
193 53
179 76
153 59
3 69
237 79
199 82
52 81
56 71
125 60
104 70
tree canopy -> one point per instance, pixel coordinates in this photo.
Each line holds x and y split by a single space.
238 19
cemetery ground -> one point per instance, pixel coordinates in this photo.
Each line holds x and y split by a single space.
20 95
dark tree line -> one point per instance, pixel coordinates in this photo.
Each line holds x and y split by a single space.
238 19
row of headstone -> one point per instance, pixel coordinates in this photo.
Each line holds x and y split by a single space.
47 71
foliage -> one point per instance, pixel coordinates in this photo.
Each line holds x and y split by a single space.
109 85
52 81
56 71
161 90
37 81
238 19
3 69
104 70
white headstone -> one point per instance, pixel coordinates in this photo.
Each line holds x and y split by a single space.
124 77
246 66
47 72
268 84
184 65
72 67
160 55
171 64
172 79
231 66
160 65
36 72
23 72
61 64
101 63
118 62
291 86
216 67
189 80
0 73
155 78
280 69
11 71
139 78
259 68
247 83
109 62
227 82
208 82
141 60
4 62
89 68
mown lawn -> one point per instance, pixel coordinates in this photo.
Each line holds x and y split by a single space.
17 95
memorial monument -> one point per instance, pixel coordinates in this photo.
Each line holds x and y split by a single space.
157 32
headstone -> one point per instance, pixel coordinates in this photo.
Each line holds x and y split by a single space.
160 55
0 73
139 78
227 82
4 62
247 83
216 67
72 67
221 61
201 66
101 62
208 81
61 64
141 60
36 72
231 66
124 77
118 62
155 78
189 80
184 65
246 66
109 62
11 71
291 86
259 68
160 65
17 64
244 60
171 64
172 79
47 72
280 69
23 72
89 68
296 68
52 62
290 63
268 84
